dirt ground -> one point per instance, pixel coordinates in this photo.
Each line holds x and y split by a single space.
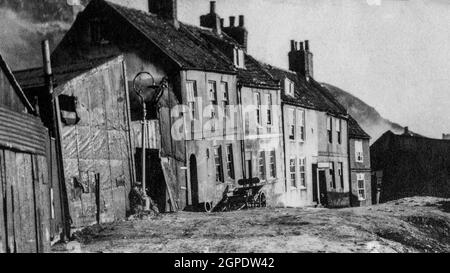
419 224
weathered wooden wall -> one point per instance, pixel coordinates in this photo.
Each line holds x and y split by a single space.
98 144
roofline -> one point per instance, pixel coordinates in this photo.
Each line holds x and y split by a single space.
9 74
271 87
111 5
185 68
312 108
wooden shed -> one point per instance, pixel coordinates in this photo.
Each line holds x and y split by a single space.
26 210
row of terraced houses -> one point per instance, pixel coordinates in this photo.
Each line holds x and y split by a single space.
220 117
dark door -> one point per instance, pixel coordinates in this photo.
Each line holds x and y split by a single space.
194 180
315 185
323 188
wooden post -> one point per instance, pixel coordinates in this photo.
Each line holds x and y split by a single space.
56 132
97 197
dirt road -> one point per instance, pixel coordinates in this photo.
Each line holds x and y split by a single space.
408 225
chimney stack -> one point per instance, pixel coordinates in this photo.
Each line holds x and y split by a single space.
232 20
241 21
212 20
301 59
406 131
166 9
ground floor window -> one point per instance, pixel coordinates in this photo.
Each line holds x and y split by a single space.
293 172
302 164
333 177
262 165
341 174
230 162
361 186
218 163
272 164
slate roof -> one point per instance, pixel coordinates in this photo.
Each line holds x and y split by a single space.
309 94
187 50
35 77
355 131
254 74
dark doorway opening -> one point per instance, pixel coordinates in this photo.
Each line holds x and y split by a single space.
194 180
323 192
155 181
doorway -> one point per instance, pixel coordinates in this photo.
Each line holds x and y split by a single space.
194 180
323 192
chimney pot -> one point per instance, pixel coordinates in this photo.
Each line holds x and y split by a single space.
212 6
307 45
301 47
241 20
293 45
406 130
222 22
232 20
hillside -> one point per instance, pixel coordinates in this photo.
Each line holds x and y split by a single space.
367 116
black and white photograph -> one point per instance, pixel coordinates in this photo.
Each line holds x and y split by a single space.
232 127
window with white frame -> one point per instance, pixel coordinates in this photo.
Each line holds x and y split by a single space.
333 176
257 103
191 93
359 154
212 91
230 162
301 128
262 165
339 130
218 164
361 186
293 172
330 129
289 87
239 58
269 109
302 167
291 123
272 164
225 96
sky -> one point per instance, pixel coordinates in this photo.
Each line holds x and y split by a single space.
392 54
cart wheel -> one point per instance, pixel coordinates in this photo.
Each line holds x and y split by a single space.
262 200
209 207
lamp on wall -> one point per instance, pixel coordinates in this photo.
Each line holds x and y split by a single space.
144 81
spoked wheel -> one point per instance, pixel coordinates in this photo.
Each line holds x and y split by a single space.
262 200
209 207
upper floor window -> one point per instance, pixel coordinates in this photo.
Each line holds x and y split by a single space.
361 186
291 122
289 87
191 93
97 32
339 131
226 97
258 108
212 91
269 109
359 155
301 127
330 129
218 163
239 58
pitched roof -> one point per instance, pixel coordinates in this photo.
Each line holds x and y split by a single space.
17 88
35 77
187 50
254 74
355 131
308 93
